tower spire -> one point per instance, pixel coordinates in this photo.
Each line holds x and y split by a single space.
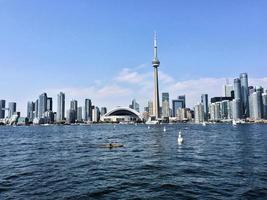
155 46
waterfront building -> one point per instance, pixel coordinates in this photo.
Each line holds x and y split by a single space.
183 114
12 108
165 105
256 106
176 104
60 107
74 107
2 108
236 109
264 105
42 105
70 116
88 110
104 110
49 104
80 114
30 110
205 101
48 117
150 108
199 113
182 98
156 64
134 105
95 114
227 90
36 106
237 90
225 110
244 95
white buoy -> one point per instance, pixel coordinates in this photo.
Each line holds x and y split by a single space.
148 127
164 129
204 124
234 122
180 138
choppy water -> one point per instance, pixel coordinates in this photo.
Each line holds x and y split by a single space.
65 162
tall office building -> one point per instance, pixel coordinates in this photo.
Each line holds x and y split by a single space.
104 111
256 106
182 98
2 108
155 64
237 94
30 110
60 107
150 108
264 105
74 107
95 114
176 104
88 110
244 95
199 113
12 109
70 116
236 103
36 106
80 114
49 104
165 104
227 90
42 105
134 105
205 101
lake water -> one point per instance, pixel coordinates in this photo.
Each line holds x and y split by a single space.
67 162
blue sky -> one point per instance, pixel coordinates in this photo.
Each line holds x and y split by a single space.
86 47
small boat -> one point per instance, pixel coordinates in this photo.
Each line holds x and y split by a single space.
180 138
164 129
204 124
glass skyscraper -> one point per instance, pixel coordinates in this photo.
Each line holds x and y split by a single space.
165 104
205 101
42 105
244 95
12 108
2 108
88 110
60 107
49 104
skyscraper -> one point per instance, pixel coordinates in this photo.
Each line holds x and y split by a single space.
205 101
182 98
2 108
199 113
74 107
165 104
134 105
256 105
177 103
150 108
238 102
88 110
103 111
227 90
30 110
12 108
80 114
60 107
36 106
156 64
42 105
244 95
49 104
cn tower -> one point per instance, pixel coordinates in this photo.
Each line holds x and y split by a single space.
155 64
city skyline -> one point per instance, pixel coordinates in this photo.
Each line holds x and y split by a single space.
60 52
